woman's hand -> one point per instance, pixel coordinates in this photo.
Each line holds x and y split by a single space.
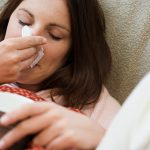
56 127
16 54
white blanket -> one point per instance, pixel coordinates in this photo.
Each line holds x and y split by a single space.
130 129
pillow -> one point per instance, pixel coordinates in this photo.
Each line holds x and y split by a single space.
11 98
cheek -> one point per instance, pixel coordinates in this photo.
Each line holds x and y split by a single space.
13 29
55 53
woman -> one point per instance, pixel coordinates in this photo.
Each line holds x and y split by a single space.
73 70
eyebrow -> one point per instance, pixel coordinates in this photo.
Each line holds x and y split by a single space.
50 25
22 9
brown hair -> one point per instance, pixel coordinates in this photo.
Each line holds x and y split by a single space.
82 77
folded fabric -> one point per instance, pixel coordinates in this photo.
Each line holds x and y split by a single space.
130 130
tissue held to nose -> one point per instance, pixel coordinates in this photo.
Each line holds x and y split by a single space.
26 31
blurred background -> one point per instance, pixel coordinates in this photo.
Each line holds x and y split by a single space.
1 2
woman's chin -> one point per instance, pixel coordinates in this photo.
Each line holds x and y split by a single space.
25 78
28 77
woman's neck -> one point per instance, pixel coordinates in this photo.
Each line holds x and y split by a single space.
33 88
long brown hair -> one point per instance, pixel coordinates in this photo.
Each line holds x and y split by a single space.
81 78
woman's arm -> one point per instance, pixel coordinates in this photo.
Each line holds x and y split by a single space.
55 127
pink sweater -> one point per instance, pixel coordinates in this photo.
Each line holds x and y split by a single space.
104 111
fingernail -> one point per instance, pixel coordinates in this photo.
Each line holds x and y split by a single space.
44 40
2 144
5 119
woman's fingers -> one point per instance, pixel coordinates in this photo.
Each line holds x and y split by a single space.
64 141
17 54
49 134
55 127
24 42
27 53
26 63
26 57
29 126
27 110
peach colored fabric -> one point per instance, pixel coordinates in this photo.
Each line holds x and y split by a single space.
105 109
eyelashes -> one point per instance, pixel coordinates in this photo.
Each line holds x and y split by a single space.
23 23
54 37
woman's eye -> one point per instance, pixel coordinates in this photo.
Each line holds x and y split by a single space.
23 23
56 38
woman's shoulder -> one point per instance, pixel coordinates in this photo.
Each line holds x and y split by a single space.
105 109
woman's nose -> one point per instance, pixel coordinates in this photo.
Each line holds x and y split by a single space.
37 31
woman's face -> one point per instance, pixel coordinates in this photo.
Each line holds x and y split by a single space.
47 18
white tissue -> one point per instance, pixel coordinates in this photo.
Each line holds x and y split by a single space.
38 58
26 31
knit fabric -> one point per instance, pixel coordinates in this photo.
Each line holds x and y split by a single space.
22 92
128 35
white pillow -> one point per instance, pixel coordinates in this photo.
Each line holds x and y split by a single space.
130 130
